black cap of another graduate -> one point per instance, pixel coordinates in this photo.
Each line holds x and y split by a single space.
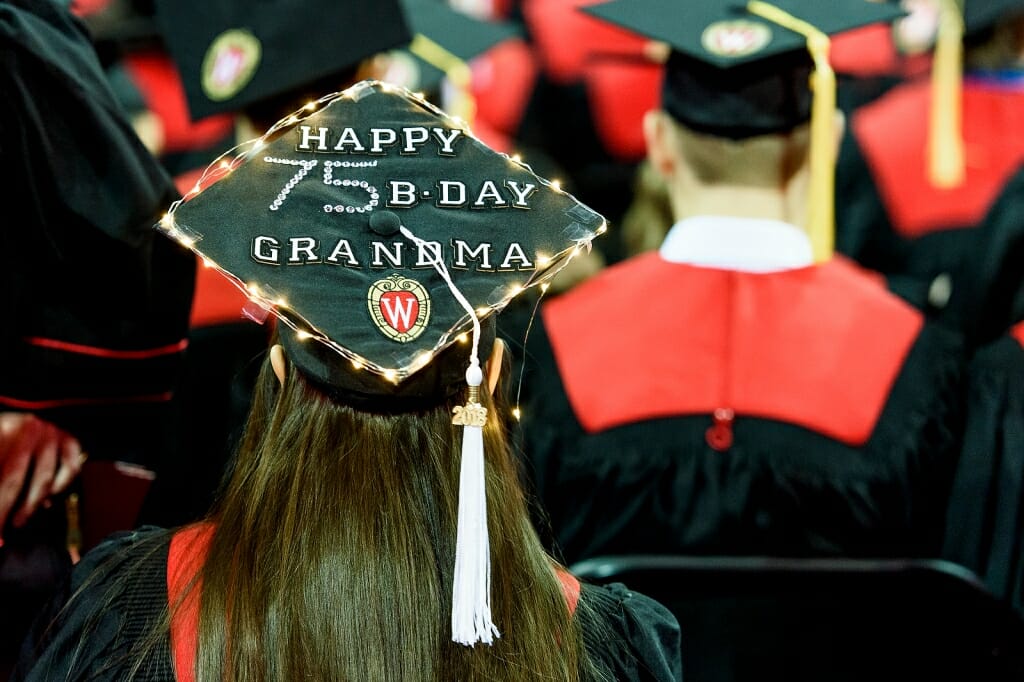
233 53
442 37
980 15
732 73
332 222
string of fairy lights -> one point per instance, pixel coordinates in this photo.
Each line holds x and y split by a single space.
268 301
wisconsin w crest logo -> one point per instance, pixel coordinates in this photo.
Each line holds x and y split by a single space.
400 307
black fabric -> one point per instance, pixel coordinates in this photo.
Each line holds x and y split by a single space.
627 635
782 490
981 263
81 264
986 509
120 590
93 624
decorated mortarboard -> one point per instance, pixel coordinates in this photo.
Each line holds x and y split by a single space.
741 69
233 53
381 233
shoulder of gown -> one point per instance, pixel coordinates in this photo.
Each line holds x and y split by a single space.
629 635
95 621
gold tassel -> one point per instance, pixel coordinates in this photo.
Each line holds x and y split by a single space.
821 205
945 138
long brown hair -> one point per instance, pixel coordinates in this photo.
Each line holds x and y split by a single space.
332 557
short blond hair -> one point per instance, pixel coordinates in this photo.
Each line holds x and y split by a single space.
760 161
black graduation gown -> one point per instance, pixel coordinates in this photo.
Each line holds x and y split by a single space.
95 301
844 407
891 219
986 508
629 635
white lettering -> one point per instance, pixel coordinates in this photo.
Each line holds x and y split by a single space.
265 249
521 193
348 138
414 137
482 253
343 250
382 137
428 253
515 253
380 252
489 191
402 193
303 245
446 140
320 137
446 198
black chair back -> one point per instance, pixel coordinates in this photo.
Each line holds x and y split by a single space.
748 618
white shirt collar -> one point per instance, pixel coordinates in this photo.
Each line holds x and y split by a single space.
729 243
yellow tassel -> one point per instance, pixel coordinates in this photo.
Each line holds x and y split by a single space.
455 70
821 205
945 138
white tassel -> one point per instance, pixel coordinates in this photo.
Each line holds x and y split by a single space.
471 588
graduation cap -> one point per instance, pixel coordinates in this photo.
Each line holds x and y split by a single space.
233 53
385 238
741 69
444 37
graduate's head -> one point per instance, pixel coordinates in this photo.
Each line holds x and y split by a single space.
742 80
384 238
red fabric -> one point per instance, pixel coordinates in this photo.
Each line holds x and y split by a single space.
819 347
85 8
156 77
620 93
503 81
570 588
893 133
184 560
865 52
113 353
565 37
1017 332
32 405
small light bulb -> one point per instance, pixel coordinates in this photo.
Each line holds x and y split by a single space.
224 165
281 303
603 228
207 263
463 337
516 290
545 286
309 106
302 335
357 365
517 158
391 375
543 260
556 185
480 312
517 414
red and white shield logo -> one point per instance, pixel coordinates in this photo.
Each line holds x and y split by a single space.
230 63
399 307
735 38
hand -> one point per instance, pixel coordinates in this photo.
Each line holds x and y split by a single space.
32 447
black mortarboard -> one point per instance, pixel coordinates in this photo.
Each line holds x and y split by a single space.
458 34
980 15
308 220
232 53
380 232
732 73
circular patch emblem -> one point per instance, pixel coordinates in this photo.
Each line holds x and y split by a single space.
400 307
230 64
737 38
